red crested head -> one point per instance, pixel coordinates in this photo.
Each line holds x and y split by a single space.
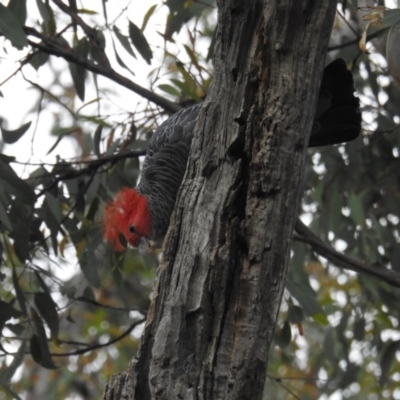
128 215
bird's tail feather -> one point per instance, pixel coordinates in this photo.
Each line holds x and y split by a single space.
338 116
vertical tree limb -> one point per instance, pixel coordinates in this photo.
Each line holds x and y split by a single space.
219 288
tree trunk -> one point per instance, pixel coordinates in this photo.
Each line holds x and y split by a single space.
219 287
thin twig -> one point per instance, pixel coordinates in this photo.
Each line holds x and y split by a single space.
99 346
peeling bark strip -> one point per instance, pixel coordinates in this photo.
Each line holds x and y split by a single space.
219 289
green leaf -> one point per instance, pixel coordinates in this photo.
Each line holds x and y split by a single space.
97 139
175 23
78 72
21 220
10 392
85 11
387 358
284 335
295 314
11 28
192 57
48 17
13 136
39 59
390 18
170 90
393 52
7 312
65 133
359 329
140 42
39 347
93 189
299 285
48 311
329 346
96 51
7 374
51 223
19 293
356 205
147 16
89 260
4 218
54 207
41 283
17 329
18 8
124 41
15 185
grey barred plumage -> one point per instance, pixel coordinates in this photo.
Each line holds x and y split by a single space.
337 120
165 165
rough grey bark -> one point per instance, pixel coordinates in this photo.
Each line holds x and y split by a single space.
219 287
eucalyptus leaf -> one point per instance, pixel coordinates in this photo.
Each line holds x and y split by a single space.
19 293
140 42
12 136
39 346
7 373
11 28
48 311
18 8
124 41
78 72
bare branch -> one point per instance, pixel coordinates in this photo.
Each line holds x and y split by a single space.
305 235
59 48
99 346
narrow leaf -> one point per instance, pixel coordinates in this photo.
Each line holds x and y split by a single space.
97 139
124 41
10 392
21 220
387 358
48 311
4 218
19 293
39 59
7 374
170 90
78 72
284 335
60 137
7 312
11 28
39 346
13 136
42 284
16 185
54 207
147 16
140 42
18 8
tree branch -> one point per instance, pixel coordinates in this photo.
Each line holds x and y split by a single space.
92 167
59 47
99 346
305 235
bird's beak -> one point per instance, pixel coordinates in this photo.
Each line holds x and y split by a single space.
146 246
143 246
